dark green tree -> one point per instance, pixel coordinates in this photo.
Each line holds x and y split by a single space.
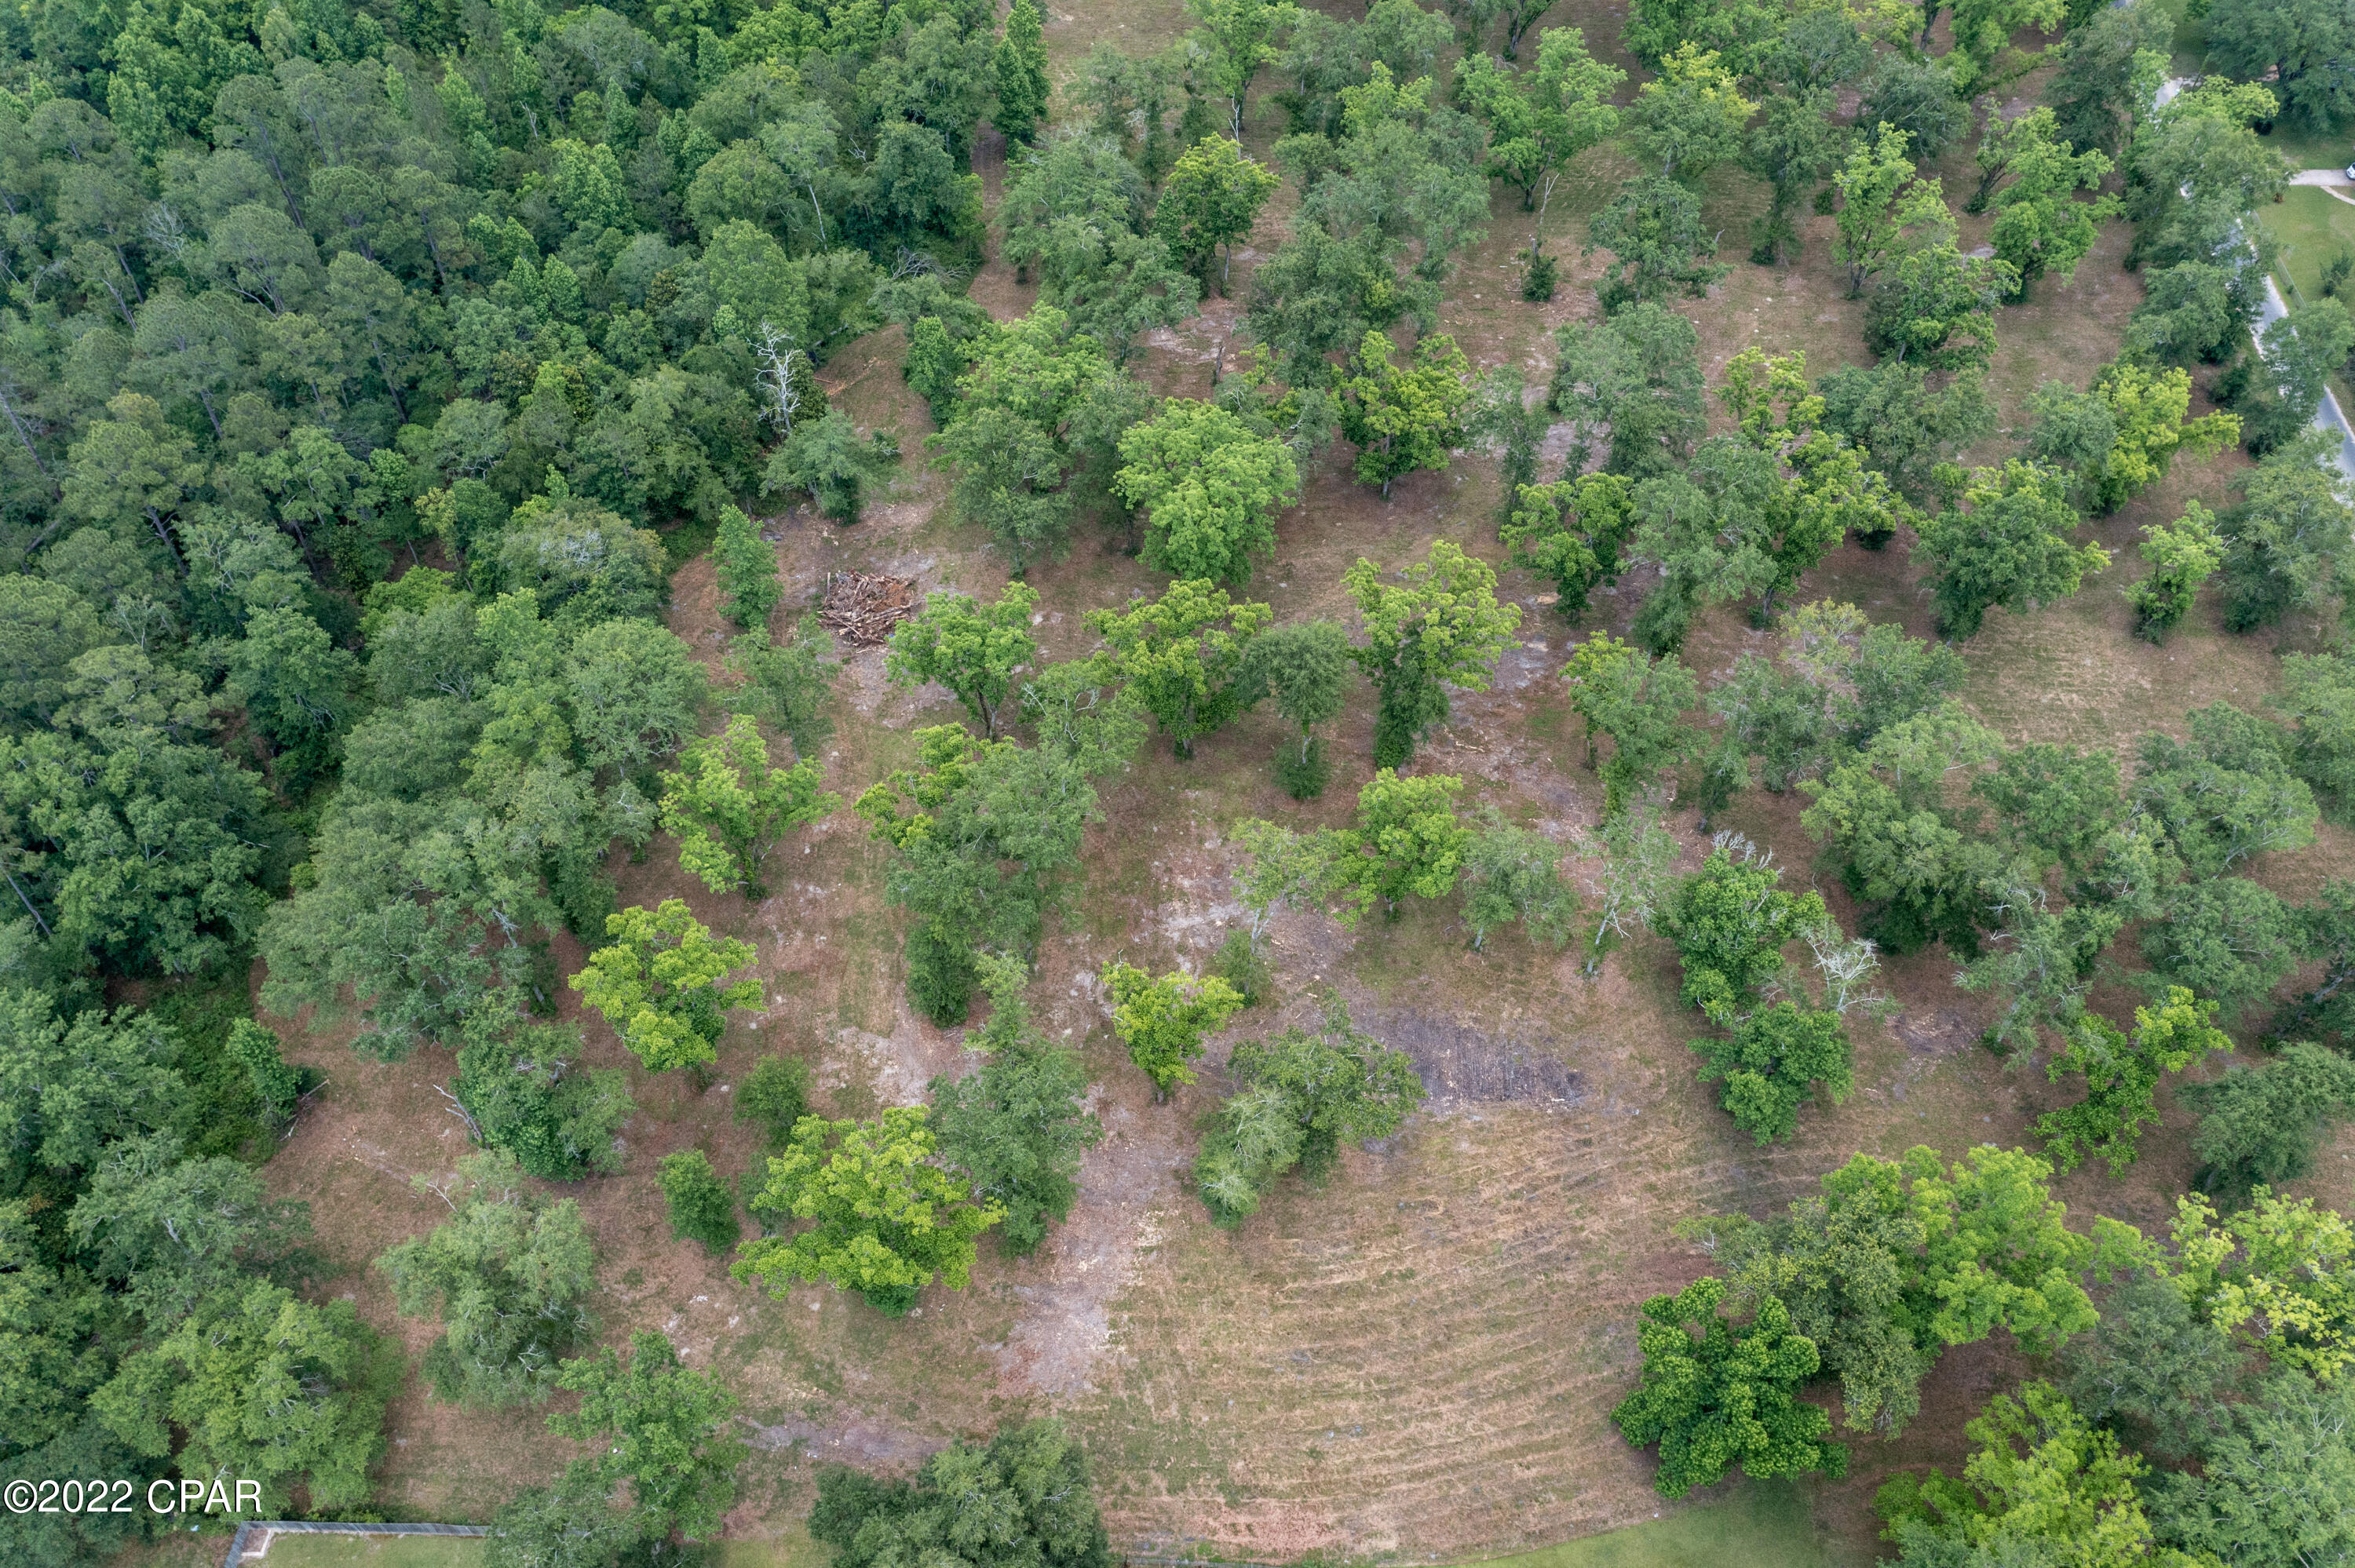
773 1096
668 1431
702 1209
1013 1127
1724 1397
506 1275
2260 1127
1661 247
1299 1096
1031 1484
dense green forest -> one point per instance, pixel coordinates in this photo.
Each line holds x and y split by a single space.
371 371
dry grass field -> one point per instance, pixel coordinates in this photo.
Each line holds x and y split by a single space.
1417 1361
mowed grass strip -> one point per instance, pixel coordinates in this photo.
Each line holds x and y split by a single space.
1762 1525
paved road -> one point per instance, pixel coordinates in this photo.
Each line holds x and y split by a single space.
2328 416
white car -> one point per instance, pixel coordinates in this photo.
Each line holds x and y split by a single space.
2351 174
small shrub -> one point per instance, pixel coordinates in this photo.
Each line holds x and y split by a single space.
1303 774
1537 275
774 1096
1241 964
276 1085
940 979
701 1207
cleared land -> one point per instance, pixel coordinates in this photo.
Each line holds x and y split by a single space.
1419 1360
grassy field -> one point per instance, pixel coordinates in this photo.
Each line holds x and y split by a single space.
2313 226
1769 1524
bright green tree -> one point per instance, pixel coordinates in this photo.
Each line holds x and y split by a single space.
1872 216
1724 1396
1182 656
1403 418
729 807
1209 486
702 1209
508 1275
667 1430
658 986
1640 703
890 1220
2042 1482
2122 1077
2009 545
2119 437
1439 626
1570 531
1689 118
1406 838
1210 200
1163 1021
972 648
2041 227
2182 555
748 569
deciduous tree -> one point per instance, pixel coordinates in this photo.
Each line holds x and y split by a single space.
2261 1127
890 1220
701 1207
1406 840
1403 418
1724 1397
2011 547
974 649
1439 626
1640 703
2121 1076
729 807
659 985
1211 199
1299 1096
1162 1021
667 1430
1209 486
506 1275
1013 1127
